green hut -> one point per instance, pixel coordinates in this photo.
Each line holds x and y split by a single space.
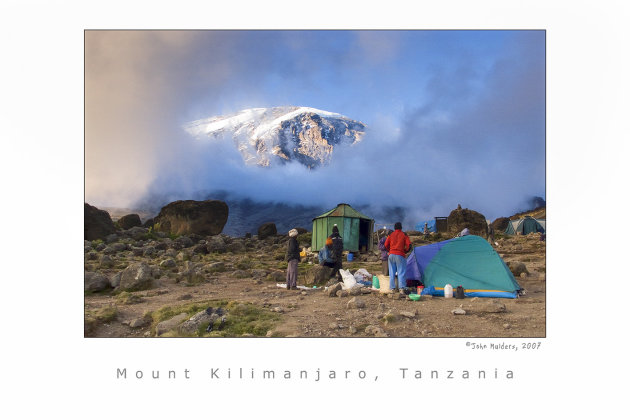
355 228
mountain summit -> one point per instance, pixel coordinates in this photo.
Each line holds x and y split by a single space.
267 136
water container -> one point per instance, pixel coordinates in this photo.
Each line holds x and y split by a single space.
448 291
375 282
350 256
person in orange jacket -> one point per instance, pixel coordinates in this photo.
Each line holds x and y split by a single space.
398 245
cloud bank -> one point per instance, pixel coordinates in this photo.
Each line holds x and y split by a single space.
466 129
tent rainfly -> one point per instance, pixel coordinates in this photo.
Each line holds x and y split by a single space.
355 228
467 261
525 226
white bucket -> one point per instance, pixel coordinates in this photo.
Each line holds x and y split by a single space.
383 282
448 291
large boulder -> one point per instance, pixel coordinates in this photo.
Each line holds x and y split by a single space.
137 276
97 223
465 218
500 224
94 282
266 230
184 217
128 221
317 275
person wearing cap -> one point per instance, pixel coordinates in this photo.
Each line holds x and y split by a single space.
398 245
293 257
337 251
325 254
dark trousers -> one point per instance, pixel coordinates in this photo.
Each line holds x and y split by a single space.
336 267
292 271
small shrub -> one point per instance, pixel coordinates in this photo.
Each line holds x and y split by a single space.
305 239
126 298
244 264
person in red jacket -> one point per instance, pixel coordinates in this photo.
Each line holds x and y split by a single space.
398 245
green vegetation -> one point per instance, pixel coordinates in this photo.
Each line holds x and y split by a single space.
305 239
244 264
240 318
126 298
93 318
245 318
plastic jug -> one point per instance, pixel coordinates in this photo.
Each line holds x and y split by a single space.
448 291
375 282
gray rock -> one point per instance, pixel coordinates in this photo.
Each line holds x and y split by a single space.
517 268
137 232
267 230
493 306
139 322
91 256
170 324
332 290
128 221
114 280
205 218
240 274
184 241
138 276
94 282
200 249
100 247
193 324
168 263
356 291
333 326
408 314
317 275
342 293
216 244
278 309
257 273
236 247
106 261
170 253
149 251
458 311
138 252
111 238
355 303
375 330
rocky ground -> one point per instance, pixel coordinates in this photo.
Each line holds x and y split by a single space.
140 283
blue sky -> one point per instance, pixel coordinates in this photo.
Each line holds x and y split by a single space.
454 117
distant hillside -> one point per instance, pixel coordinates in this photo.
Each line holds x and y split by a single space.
537 213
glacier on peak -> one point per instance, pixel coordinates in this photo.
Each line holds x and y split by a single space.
265 136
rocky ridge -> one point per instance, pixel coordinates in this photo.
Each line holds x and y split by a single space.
272 136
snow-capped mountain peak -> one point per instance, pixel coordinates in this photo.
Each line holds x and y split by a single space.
265 136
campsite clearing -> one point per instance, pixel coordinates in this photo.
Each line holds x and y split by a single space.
312 313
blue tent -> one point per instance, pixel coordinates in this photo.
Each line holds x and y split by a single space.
468 261
430 224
